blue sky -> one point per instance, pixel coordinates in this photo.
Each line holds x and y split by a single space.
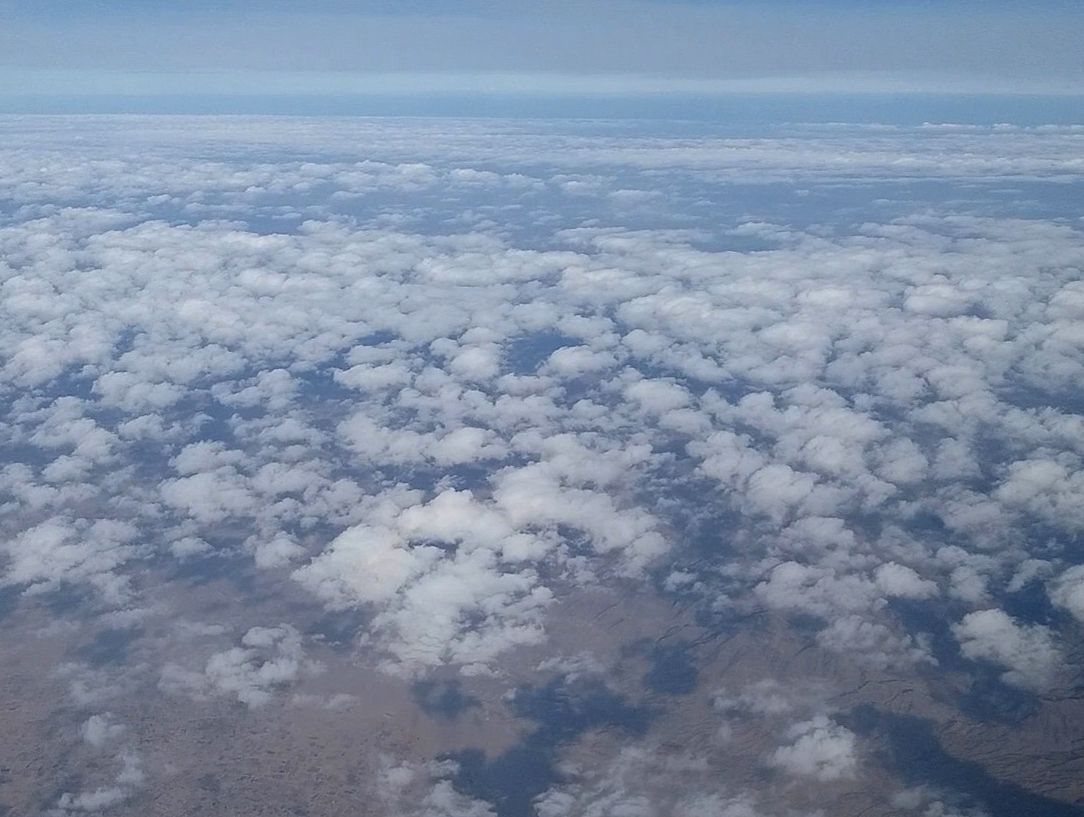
553 47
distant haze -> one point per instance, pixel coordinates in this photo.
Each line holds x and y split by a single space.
138 47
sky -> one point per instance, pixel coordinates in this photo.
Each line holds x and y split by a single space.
334 48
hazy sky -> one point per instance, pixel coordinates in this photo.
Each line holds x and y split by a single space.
336 46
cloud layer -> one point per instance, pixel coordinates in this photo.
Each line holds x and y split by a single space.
440 380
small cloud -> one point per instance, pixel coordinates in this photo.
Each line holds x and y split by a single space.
820 749
1027 651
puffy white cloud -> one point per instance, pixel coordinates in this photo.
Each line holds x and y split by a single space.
279 550
453 575
765 697
902 581
422 790
98 730
1067 591
929 802
210 496
821 749
268 659
73 550
129 778
575 361
1047 489
1027 651
815 590
644 781
871 642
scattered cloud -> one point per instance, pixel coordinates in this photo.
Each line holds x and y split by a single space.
441 390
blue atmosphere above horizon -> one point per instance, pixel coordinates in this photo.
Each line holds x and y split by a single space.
275 58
